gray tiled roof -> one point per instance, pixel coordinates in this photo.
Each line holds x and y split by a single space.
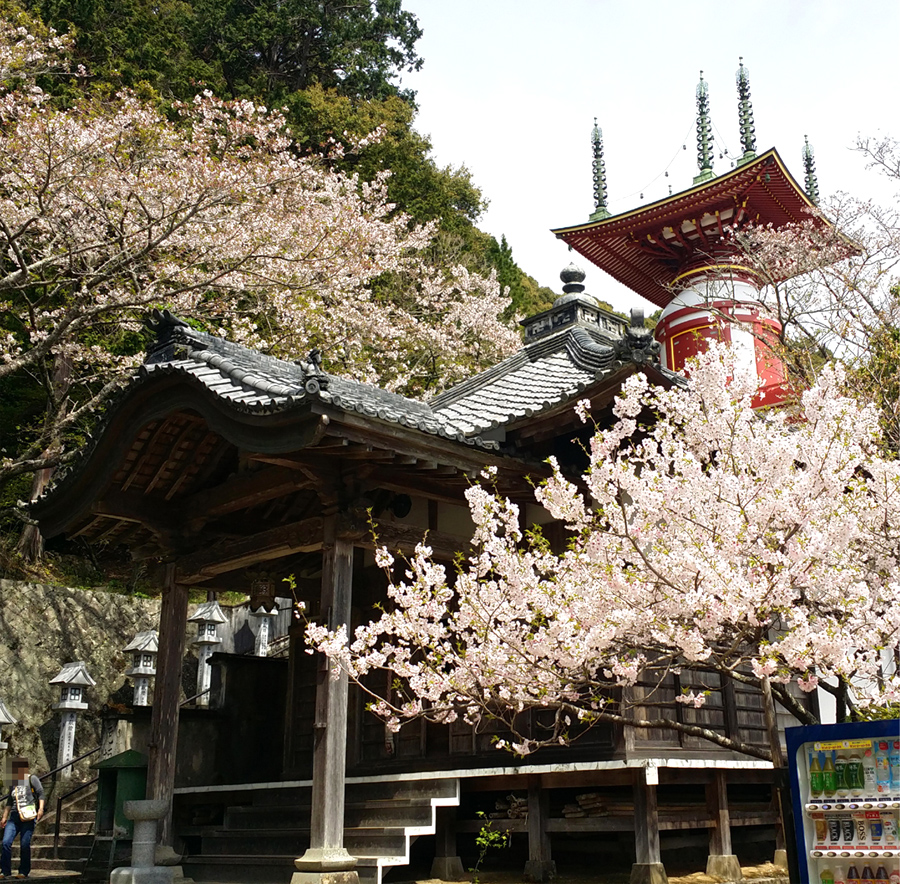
252 381
555 368
539 377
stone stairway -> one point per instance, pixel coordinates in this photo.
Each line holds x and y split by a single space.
258 841
75 841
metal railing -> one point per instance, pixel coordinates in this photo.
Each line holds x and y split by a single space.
57 823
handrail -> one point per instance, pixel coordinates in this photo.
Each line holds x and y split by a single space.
57 823
56 770
191 699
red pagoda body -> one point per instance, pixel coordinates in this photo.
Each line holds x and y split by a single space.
682 252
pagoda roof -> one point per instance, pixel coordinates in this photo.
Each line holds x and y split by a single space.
762 191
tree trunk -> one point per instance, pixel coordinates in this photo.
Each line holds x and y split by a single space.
31 542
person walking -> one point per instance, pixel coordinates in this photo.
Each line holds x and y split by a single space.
24 808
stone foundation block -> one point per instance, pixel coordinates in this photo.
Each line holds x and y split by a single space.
345 877
727 867
780 859
448 868
151 875
539 871
648 873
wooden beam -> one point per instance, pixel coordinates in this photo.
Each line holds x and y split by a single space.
717 806
135 506
326 851
540 865
405 539
242 491
646 820
220 558
166 697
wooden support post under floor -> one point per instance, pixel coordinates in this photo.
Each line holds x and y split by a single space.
446 865
540 866
166 700
327 860
649 868
721 862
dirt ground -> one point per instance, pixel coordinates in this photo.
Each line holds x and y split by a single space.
766 870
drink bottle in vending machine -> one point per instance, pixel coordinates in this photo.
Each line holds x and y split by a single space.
845 791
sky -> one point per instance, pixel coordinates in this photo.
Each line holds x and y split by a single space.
510 89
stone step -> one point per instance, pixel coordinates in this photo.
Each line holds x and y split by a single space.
361 813
240 869
254 843
402 789
77 852
66 827
375 841
66 839
57 865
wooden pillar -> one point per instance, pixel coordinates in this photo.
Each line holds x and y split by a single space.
721 862
649 868
327 860
166 698
447 866
540 865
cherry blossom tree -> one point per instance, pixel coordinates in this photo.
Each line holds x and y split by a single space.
705 537
109 208
835 287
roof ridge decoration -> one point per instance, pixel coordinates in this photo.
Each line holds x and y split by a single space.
745 111
599 170
809 165
704 133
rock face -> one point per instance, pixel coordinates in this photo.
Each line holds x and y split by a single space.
43 627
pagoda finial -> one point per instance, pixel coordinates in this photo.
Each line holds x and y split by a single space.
809 164
704 133
745 109
600 210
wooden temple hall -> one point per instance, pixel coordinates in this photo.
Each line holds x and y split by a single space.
235 469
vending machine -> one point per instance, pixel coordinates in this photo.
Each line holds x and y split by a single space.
845 789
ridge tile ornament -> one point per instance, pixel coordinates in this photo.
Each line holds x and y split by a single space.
207 617
144 648
73 678
5 718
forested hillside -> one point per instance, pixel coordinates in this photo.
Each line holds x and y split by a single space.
252 166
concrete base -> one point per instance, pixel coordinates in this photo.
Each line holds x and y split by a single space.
780 859
448 868
166 856
727 867
325 859
152 875
538 871
351 877
648 873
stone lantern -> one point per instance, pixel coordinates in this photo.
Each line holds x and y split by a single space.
5 718
263 609
144 647
207 617
73 678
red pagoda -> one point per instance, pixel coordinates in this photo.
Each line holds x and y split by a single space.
681 252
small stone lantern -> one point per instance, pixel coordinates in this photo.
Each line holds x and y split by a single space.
144 647
207 617
73 678
5 718
263 609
